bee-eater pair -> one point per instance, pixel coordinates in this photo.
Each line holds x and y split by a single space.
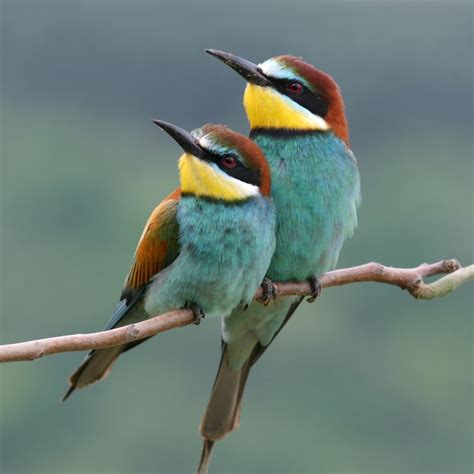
297 119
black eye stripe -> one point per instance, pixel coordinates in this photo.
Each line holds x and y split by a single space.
240 172
306 98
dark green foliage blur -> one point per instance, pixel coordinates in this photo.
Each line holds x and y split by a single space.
367 380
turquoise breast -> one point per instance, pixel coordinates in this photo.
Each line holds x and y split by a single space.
316 191
225 250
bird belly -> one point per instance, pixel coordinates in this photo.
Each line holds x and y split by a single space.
244 327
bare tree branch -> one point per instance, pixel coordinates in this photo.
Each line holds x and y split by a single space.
410 279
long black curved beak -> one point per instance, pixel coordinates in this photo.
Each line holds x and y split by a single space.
248 70
187 142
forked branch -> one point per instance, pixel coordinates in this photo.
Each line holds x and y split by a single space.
410 279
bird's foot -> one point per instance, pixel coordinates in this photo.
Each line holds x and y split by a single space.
316 288
269 291
198 314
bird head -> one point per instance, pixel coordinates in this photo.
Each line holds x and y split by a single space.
286 93
219 163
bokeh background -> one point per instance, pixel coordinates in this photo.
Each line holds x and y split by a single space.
365 381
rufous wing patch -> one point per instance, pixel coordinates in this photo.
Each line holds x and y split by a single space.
158 245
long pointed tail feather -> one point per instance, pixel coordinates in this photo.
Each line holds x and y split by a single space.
205 457
223 410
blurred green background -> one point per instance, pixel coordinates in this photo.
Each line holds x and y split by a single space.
365 381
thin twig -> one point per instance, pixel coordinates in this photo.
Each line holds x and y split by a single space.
410 279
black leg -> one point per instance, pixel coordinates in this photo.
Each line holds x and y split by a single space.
316 288
198 314
269 291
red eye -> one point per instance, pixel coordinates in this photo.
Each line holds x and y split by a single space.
229 161
295 87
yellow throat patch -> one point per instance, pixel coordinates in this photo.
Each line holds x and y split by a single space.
202 180
267 108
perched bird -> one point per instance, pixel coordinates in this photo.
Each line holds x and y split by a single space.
206 246
296 114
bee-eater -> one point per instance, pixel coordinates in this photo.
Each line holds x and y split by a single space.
296 115
206 246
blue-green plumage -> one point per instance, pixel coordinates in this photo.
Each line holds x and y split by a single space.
225 250
316 191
